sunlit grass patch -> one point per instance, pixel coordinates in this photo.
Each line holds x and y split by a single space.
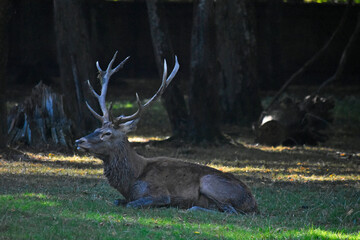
265 148
288 174
61 157
282 148
27 201
52 164
143 139
122 105
30 168
323 234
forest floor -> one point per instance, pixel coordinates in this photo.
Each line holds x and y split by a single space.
303 192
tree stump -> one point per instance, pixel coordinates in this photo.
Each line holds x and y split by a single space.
40 121
295 123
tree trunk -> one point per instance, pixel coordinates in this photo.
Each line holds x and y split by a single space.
236 47
76 64
4 20
173 98
40 121
203 98
271 45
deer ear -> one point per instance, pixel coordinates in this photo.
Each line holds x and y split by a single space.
129 126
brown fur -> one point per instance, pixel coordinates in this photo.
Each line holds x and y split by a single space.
162 181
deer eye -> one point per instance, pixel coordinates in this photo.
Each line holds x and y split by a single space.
105 134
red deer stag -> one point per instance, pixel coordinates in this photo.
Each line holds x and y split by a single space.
160 181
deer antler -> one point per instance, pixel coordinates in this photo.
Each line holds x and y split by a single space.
104 77
141 107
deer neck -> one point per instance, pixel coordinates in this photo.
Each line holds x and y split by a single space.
123 167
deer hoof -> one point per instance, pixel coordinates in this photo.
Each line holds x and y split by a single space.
120 202
200 209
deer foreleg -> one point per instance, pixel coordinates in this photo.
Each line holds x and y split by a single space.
149 202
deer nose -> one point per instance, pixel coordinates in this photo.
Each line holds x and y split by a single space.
79 141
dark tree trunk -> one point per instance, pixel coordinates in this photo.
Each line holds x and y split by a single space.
76 64
203 98
4 20
40 121
236 48
271 45
173 98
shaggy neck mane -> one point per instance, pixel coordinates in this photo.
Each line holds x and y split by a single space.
118 168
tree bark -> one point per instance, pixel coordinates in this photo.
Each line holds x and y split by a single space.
4 20
76 64
173 98
203 98
271 45
236 47
40 121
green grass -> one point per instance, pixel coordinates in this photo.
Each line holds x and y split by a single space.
302 192
91 216
347 109
52 196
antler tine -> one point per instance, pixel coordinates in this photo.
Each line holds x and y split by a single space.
104 77
93 112
111 62
164 83
98 67
174 71
120 65
92 90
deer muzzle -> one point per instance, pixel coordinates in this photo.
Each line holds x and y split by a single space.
80 144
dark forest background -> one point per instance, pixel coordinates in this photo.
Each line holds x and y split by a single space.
287 35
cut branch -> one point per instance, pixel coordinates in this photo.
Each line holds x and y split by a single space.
344 57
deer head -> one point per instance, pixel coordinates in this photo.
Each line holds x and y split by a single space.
114 129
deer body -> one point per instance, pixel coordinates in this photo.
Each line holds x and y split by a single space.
161 181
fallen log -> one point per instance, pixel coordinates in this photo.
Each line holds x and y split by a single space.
40 121
293 122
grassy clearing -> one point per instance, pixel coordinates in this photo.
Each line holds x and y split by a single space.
54 196
303 192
